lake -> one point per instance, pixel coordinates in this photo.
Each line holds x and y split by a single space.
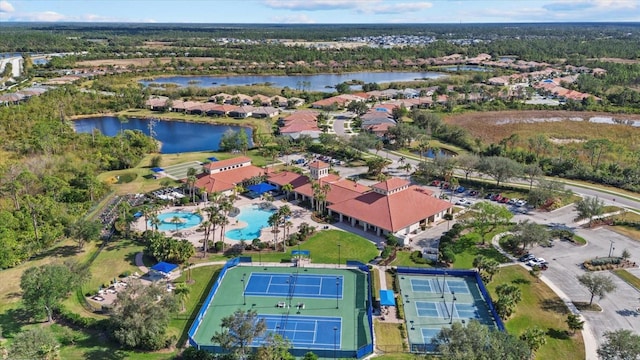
318 82
175 136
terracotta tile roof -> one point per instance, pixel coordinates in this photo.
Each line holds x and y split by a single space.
317 164
227 180
228 162
391 184
393 212
288 177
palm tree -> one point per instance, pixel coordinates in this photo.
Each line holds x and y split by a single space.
155 222
176 220
182 293
284 212
274 222
287 188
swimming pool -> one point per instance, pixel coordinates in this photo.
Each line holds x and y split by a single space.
187 220
256 219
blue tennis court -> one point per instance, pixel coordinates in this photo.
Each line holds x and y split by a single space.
295 285
425 285
427 335
457 286
311 332
465 311
432 309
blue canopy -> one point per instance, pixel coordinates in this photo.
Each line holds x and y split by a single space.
157 169
387 298
261 188
164 267
137 214
212 159
300 252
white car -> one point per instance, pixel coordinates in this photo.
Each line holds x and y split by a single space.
521 203
536 262
464 202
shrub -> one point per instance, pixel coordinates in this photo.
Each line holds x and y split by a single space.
127 177
416 257
125 274
218 246
386 252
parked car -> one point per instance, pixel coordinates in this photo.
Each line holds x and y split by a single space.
504 200
489 196
444 185
435 183
512 201
473 193
464 202
460 189
527 257
521 203
536 262
496 197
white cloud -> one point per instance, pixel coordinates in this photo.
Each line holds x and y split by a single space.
396 8
313 5
6 7
293 19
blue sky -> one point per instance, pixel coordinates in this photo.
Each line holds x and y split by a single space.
320 11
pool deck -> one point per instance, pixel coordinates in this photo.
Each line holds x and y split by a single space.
298 216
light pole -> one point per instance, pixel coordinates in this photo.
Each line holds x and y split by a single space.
407 297
611 248
335 342
337 288
452 305
244 294
339 246
444 282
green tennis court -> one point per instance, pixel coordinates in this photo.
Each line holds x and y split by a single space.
324 310
435 301
179 171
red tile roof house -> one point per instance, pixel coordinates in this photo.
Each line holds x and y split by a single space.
392 206
221 110
223 176
265 112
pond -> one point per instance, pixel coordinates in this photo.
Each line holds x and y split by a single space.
175 136
318 82
431 155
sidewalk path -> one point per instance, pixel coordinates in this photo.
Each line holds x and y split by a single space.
140 263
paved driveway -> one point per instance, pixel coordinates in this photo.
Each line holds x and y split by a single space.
565 264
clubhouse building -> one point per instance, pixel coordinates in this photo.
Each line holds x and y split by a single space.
391 206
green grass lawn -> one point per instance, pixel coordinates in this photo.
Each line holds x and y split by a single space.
540 307
403 258
467 247
388 337
628 277
324 249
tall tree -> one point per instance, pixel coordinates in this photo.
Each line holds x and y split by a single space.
477 341
529 233
620 345
239 330
275 347
140 316
44 287
589 207
597 284
499 168
487 216
37 343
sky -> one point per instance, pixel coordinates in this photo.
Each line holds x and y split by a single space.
320 11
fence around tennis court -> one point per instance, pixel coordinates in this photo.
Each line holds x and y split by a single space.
360 352
471 273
